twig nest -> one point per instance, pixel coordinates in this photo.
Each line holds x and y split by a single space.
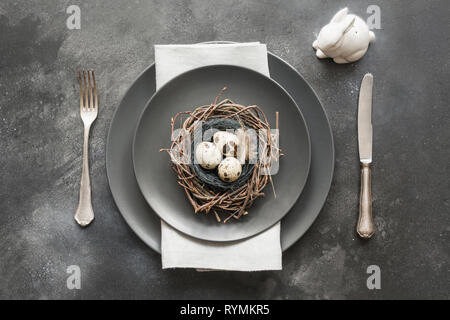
208 155
229 169
226 142
231 189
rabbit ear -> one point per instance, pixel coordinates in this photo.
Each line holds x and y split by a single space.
348 22
338 17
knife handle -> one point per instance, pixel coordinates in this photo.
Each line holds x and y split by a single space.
365 228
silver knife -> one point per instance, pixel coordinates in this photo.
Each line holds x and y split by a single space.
365 227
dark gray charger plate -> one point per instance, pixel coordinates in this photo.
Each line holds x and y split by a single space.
139 215
198 87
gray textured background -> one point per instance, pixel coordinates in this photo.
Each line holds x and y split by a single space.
41 141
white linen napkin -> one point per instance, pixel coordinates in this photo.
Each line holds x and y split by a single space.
260 252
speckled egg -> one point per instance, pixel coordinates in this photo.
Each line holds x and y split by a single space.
226 142
207 155
229 169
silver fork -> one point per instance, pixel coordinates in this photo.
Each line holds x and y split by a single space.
88 112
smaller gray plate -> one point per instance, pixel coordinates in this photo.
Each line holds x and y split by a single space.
158 182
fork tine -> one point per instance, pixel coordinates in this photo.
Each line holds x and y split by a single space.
81 91
91 98
95 90
86 101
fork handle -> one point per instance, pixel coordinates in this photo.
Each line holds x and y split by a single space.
85 214
365 228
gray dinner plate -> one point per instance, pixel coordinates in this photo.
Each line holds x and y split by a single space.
147 225
198 87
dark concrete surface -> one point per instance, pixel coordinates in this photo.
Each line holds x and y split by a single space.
41 141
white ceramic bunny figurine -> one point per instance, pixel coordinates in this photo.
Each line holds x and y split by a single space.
345 39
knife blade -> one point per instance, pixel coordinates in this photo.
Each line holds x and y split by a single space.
365 227
365 119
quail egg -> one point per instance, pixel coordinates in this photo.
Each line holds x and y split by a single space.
208 155
226 142
229 169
